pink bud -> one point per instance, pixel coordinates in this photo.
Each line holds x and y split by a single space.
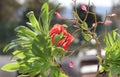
83 7
58 15
71 64
75 26
107 22
112 15
94 25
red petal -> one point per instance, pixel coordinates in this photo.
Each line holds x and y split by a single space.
60 42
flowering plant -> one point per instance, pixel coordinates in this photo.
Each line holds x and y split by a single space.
37 47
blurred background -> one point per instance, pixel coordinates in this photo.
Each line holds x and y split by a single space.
13 14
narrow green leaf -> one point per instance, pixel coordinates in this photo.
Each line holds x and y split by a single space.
114 33
33 21
87 37
44 16
25 32
111 41
84 26
63 75
11 67
102 69
107 42
51 13
18 54
110 74
9 46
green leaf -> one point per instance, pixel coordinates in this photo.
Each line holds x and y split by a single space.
11 67
102 69
84 26
33 21
63 75
9 46
44 17
111 41
58 38
39 44
115 69
87 37
25 32
51 13
65 25
110 74
114 33
18 54
107 41
110 38
20 42
59 52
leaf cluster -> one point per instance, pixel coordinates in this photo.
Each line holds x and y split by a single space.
111 61
33 49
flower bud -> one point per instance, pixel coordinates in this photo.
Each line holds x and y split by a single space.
71 64
107 22
94 25
83 7
58 15
112 15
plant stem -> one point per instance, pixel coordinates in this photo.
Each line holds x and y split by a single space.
75 6
87 12
78 48
60 67
98 50
98 53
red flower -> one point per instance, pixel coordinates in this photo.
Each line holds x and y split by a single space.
68 38
66 41
57 29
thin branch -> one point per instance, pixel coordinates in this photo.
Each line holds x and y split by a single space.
72 52
60 67
76 31
87 12
75 7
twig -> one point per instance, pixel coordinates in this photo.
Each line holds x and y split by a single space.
60 67
78 48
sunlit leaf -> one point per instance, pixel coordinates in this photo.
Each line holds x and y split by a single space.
34 22
11 67
18 54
